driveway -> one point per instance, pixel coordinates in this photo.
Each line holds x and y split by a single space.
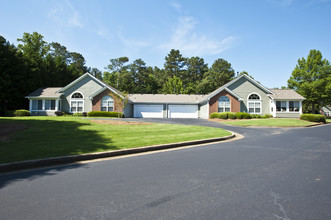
270 174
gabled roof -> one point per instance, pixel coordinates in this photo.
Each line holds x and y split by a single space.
96 79
50 92
285 94
215 92
166 98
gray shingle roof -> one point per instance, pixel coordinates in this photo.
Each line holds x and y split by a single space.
49 92
166 98
285 94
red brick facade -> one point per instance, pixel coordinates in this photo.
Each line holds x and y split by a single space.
96 102
213 102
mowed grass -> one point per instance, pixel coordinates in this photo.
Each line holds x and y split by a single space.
60 136
270 122
328 120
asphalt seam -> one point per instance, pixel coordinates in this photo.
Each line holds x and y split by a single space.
7 167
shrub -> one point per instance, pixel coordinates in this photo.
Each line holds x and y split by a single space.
232 115
255 116
105 114
21 112
78 114
265 116
268 115
59 113
313 117
220 115
239 115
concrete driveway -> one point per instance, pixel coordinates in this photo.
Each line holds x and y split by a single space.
270 174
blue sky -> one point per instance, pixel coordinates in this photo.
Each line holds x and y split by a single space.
263 37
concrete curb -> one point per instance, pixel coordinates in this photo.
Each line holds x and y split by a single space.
75 158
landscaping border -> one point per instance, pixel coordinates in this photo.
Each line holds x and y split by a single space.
28 164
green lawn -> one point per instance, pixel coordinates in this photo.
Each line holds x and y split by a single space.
328 120
270 122
59 136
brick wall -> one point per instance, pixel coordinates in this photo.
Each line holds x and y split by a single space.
96 102
213 102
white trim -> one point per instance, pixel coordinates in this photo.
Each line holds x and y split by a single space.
76 100
218 104
215 92
97 92
254 101
43 105
93 77
77 92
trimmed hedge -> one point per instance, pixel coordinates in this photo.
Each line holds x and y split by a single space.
220 115
237 115
243 115
313 117
232 115
105 114
59 113
21 112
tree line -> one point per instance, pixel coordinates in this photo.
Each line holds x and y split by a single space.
34 64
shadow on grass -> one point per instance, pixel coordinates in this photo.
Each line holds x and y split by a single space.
30 175
52 138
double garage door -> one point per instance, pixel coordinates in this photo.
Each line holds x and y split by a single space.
174 111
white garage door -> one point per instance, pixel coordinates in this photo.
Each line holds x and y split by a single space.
183 111
148 111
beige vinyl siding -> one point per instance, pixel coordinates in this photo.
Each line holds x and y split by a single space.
243 88
204 110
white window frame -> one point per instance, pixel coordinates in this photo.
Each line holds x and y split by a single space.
43 105
254 102
109 100
293 106
222 105
76 100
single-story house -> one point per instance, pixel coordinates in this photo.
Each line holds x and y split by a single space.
326 110
242 94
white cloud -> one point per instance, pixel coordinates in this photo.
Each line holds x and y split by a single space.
66 15
188 41
176 6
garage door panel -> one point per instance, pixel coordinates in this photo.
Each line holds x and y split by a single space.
148 111
183 111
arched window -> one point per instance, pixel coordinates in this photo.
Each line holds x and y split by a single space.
77 95
76 102
224 104
107 104
254 103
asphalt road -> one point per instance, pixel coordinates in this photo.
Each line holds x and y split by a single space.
272 173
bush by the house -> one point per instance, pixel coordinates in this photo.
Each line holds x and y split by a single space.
105 114
21 112
220 115
255 116
269 115
59 113
243 115
232 115
313 117
213 115
78 114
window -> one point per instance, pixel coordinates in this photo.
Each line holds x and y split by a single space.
254 104
76 102
224 104
294 106
107 104
77 95
49 104
281 106
37 104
